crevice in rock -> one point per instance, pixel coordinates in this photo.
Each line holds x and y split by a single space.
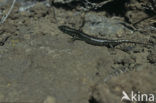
68 6
116 7
93 100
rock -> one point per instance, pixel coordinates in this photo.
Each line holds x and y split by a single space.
101 25
62 1
50 100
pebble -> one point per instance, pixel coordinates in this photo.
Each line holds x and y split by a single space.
50 99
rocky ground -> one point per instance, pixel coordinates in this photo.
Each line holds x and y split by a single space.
41 64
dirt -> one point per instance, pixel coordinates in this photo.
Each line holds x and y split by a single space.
40 64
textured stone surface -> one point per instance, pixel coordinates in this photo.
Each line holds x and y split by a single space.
101 25
40 64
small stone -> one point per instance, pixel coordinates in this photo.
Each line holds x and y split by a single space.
50 99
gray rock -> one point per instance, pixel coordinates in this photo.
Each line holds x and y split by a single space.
102 25
26 5
63 1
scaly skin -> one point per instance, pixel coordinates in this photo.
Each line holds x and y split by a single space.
94 40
